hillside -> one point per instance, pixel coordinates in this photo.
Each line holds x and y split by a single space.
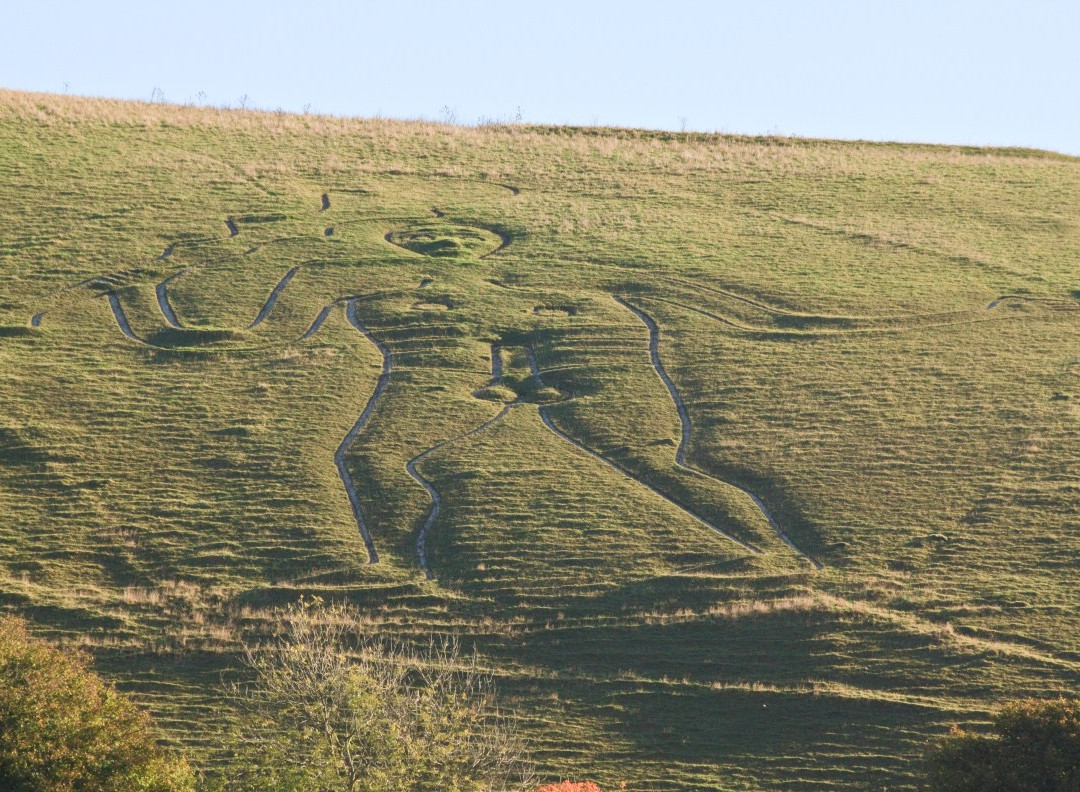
746 463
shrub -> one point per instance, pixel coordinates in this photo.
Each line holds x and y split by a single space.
1033 746
62 728
330 710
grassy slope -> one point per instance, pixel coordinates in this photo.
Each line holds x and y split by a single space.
821 310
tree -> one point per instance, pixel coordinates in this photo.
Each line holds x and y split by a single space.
62 728
330 711
1034 746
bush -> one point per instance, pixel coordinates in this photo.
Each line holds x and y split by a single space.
62 728
330 710
1034 746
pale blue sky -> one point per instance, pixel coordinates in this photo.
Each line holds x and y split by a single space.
1004 73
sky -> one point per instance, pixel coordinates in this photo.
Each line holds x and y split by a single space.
941 71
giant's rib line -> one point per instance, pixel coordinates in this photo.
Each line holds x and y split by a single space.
273 298
163 301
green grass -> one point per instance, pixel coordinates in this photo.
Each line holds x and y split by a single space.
822 310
